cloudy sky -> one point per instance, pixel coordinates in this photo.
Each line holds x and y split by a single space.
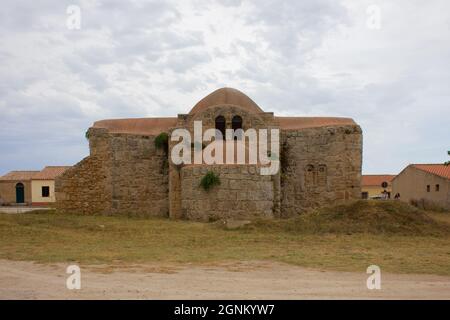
158 58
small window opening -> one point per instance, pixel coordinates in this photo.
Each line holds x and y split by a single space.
220 125
45 192
236 124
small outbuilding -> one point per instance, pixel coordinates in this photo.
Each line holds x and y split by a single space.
426 185
376 186
35 188
43 185
15 188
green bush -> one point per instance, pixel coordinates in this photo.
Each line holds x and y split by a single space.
210 180
162 141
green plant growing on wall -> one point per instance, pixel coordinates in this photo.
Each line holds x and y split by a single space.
210 180
162 141
87 134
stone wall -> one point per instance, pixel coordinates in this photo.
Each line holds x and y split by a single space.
208 117
85 188
319 166
124 174
250 120
139 174
243 193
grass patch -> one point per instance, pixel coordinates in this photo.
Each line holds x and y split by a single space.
52 237
372 217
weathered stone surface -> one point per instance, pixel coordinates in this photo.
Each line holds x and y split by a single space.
236 197
126 174
320 166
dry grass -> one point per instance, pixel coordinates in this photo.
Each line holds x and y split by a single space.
372 217
342 243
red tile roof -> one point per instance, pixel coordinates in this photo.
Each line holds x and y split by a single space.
223 96
50 172
154 126
376 179
144 126
295 123
18 175
437 169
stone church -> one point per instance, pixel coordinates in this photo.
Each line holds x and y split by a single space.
127 173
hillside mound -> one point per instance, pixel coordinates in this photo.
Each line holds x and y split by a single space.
362 216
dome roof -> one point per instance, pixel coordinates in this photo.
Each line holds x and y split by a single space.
226 96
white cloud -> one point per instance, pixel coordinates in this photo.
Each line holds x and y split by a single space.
158 58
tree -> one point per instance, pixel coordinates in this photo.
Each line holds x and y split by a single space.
448 162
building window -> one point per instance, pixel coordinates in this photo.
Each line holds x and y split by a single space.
437 188
428 188
310 176
365 195
322 175
220 125
45 192
236 124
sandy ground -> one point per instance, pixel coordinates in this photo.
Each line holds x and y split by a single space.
248 280
23 209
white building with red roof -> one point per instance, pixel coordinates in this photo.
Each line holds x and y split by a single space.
35 188
427 185
43 185
375 186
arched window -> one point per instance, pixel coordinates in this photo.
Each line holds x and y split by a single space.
310 176
322 175
20 193
236 123
220 125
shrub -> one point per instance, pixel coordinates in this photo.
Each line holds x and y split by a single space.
425 204
162 141
210 180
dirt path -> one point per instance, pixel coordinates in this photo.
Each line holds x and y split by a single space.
249 280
